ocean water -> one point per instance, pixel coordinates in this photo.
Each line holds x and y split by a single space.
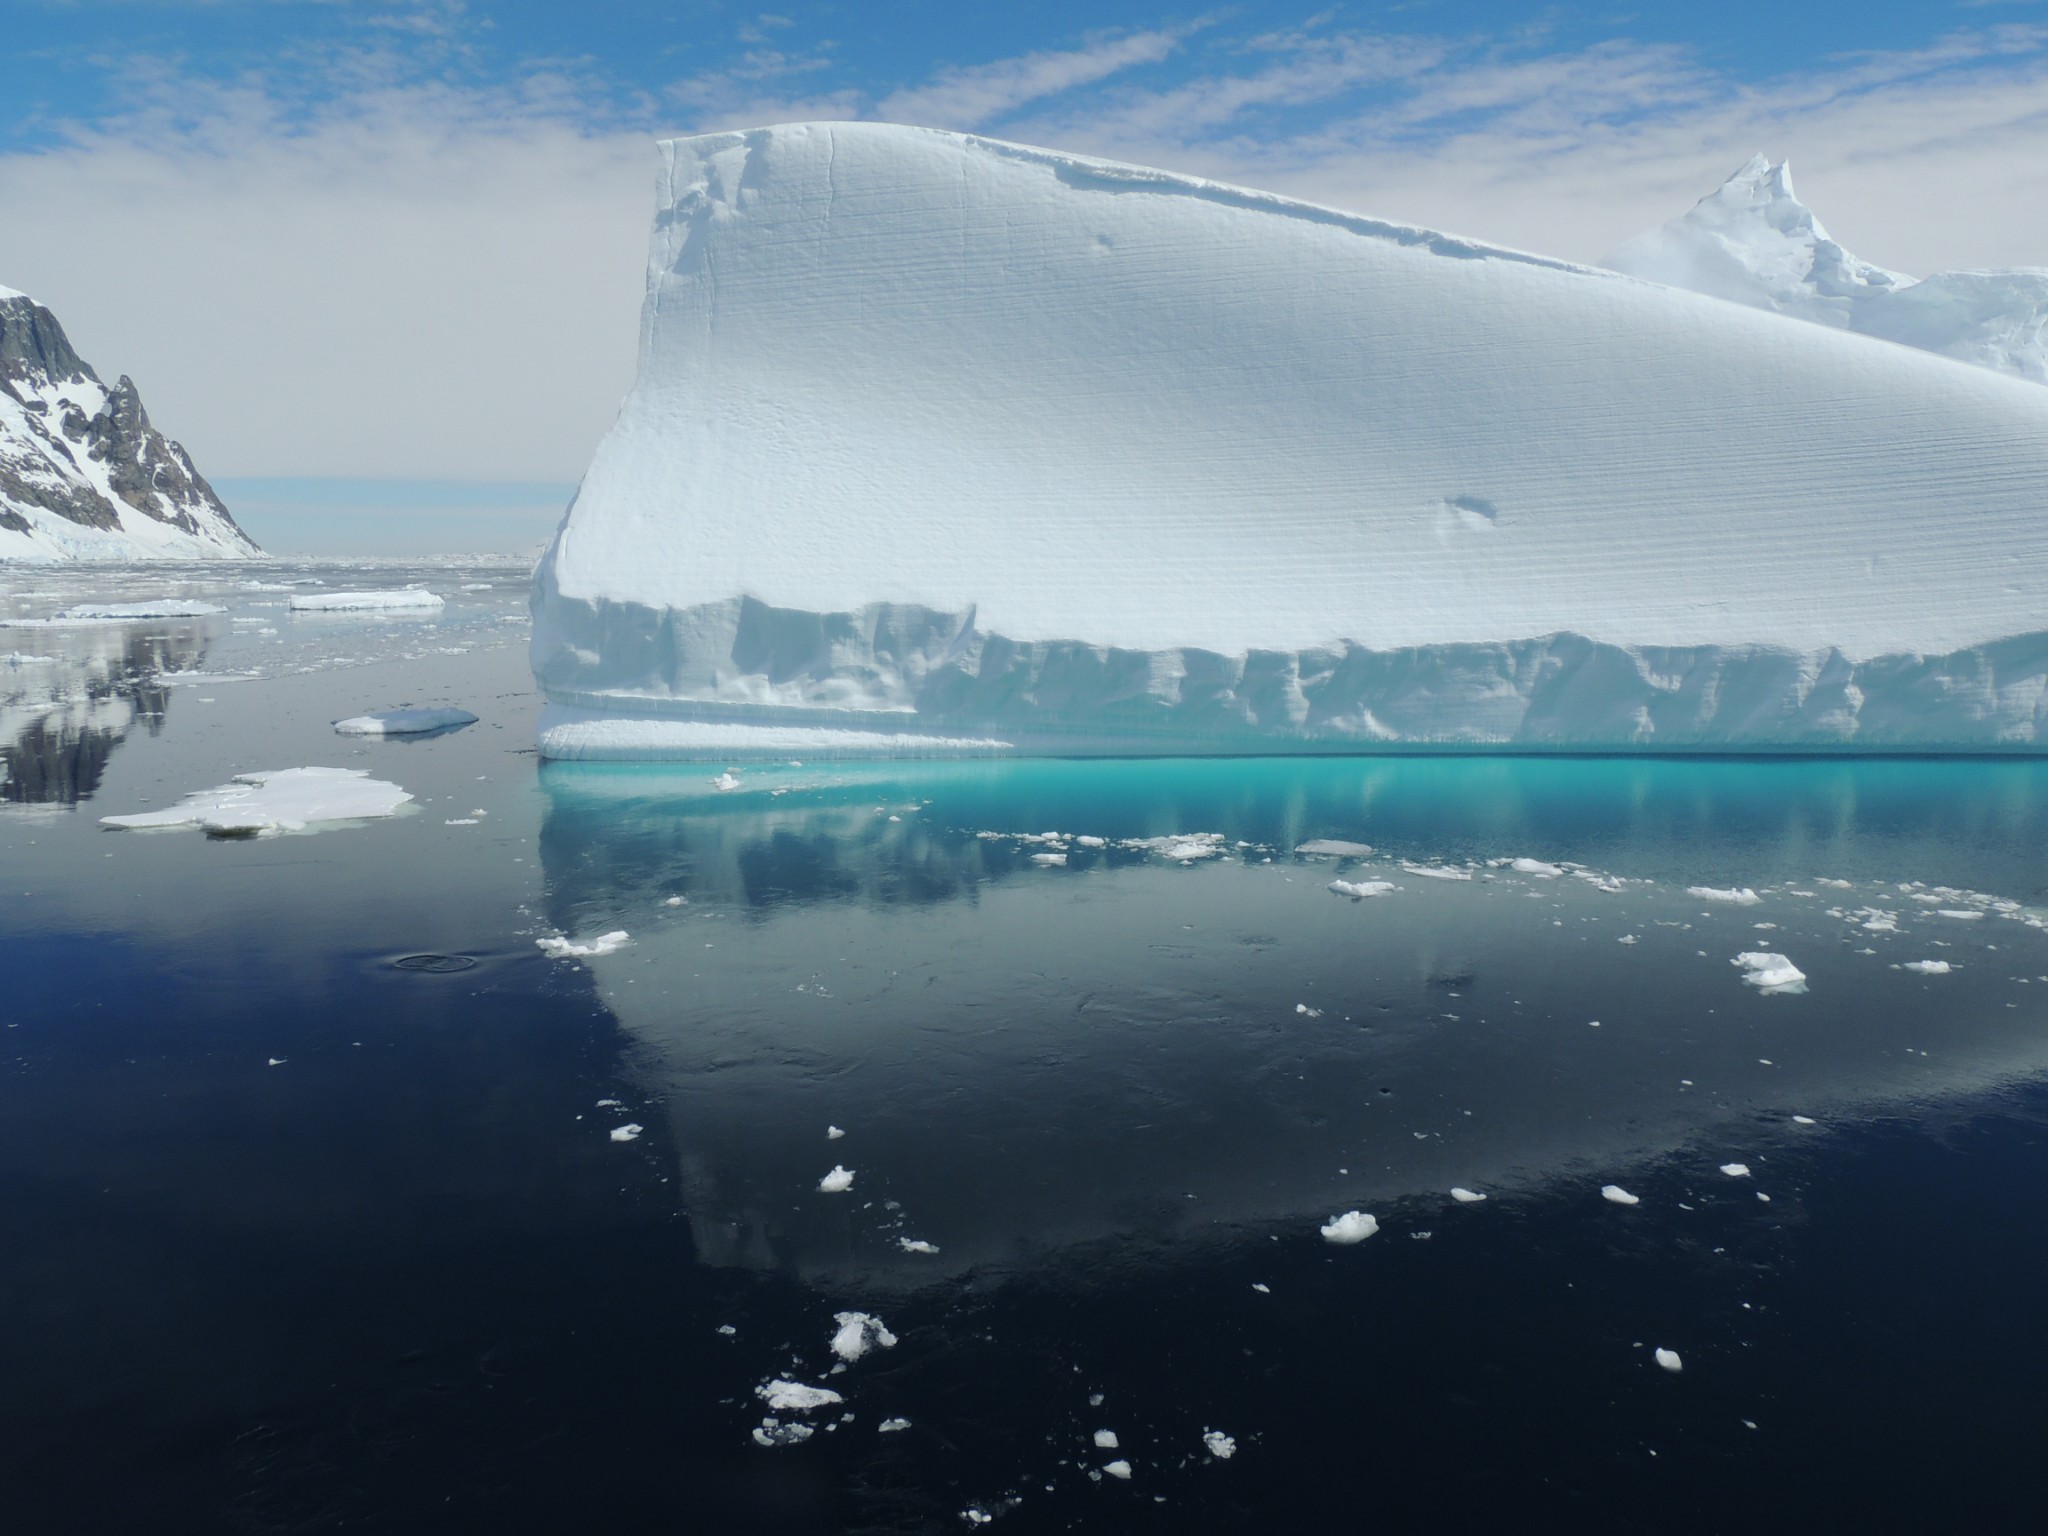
332 1201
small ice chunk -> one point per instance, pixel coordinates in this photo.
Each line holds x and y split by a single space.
1262 1288
1536 867
1351 1227
123 612
1105 1440
915 1245
1437 872
1049 859
837 1182
1736 1170
892 1426
1739 896
1335 847
785 1396
677 901
768 1432
403 722
1359 890
858 1333
1668 1358
833 1133
1220 1445
1304 1009
1466 1196
275 1061
1804 1120
1928 967
1619 1195
1091 842
1958 915
559 948
627 1132
726 782
1769 972
1119 1469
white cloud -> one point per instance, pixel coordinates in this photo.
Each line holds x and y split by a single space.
969 98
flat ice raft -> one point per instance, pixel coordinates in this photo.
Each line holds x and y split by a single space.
940 442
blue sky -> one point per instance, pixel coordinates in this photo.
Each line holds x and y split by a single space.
350 243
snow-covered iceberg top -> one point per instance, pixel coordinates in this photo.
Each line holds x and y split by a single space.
989 443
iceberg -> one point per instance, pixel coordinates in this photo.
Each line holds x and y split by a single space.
941 445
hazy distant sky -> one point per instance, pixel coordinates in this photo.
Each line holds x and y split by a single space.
337 240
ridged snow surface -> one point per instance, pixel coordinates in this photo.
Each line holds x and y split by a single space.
1753 242
955 439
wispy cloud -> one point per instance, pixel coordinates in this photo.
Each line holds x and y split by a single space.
972 97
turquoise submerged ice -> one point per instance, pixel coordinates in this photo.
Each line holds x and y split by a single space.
945 445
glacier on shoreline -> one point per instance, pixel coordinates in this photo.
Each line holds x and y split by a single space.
942 445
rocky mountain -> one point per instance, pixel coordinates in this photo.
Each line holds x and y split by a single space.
1751 241
83 474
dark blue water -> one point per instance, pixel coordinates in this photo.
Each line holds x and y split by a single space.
405 1280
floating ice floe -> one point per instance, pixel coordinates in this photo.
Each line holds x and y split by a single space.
1351 1227
1536 867
1118 1469
1437 872
1928 967
892 1426
785 1396
726 782
556 947
915 1245
1336 847
1466 1196
1668 1358
833 1133
837 1182
1769 972
126 613
1049 859
773 1432
1736 1170
365 602
1105 1440
278 800
1619 1195
1358 890
858 1333
1220 1445
1738 896
403 722
1183 848
627 1132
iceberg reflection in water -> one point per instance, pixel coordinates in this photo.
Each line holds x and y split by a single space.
1108 1009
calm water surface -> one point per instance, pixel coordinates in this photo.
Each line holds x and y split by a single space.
301 1238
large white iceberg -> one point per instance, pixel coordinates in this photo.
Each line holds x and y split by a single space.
942 440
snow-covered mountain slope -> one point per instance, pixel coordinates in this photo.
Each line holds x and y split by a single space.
940 437
83 475
1753 242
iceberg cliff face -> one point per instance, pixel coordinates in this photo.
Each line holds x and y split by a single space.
1753 242
940 441
83 474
